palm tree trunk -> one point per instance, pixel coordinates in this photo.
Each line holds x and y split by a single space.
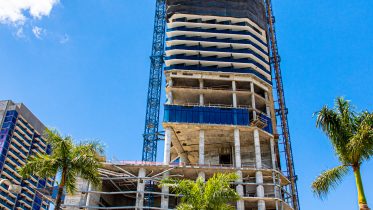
59 198
360 189
57 205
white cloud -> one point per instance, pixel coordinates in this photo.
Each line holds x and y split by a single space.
38 32
18 11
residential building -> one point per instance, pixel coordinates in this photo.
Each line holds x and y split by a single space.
21 136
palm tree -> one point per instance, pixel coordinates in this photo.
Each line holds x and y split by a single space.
69 159
215 194
351 135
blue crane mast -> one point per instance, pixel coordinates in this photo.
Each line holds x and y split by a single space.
151 132
282 111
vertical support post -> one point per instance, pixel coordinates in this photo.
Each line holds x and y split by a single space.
202 174
170 98
237 148
259 174
239 189
201 97
140 189
238 165
268 109
234 95
88 201
201 159
167 146
273 155
253 100
166 190
274 167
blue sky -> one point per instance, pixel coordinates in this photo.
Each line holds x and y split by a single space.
84 70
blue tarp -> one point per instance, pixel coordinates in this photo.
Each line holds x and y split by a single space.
207 115
211 115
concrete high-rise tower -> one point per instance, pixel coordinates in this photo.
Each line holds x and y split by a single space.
220 109
219 116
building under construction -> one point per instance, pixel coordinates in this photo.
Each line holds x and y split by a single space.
221 67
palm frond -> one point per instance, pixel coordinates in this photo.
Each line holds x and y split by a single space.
328 180
331 124
346 112
361 144
40 165
70 182
216 193
185 206
86 162
218 190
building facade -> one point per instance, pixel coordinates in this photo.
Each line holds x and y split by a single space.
219 116
21 136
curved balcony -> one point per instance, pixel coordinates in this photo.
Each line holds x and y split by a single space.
215 69
229 60
217 31
229 23
214 49
216 40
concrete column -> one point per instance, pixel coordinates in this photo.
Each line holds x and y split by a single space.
239 189
268 110
234 86
201 96
202 174
273 155
258 155
234 95
140 189
237 148
253 99
261 205
201 99
167 146
170 98
166 190
201 159
259 174
88 201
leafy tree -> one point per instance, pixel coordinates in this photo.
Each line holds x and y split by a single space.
215 194
69 160
351 135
